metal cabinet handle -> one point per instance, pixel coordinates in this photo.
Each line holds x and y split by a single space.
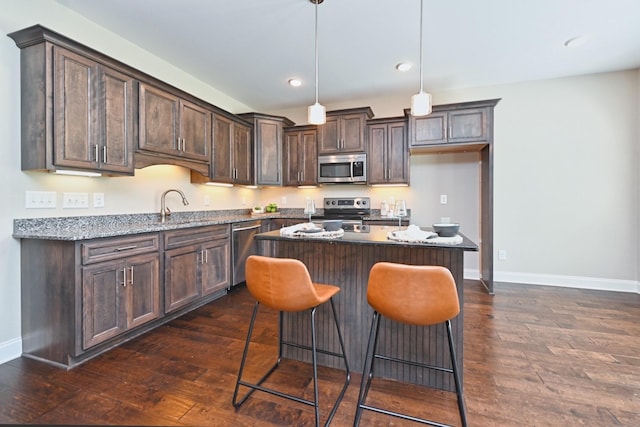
126 248
96 153
131 277
206 256
104 154
124 277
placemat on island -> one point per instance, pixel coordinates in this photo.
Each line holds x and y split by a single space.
309 230
414 234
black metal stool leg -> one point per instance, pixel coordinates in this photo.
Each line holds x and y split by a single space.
346 365
367 374
314 354
456 376
314 362
256 386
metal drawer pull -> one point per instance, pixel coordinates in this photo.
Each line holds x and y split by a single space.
131 278
124 277
126 248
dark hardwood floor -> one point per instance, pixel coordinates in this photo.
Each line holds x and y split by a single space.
534 356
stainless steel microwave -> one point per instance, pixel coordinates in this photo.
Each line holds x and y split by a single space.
342 168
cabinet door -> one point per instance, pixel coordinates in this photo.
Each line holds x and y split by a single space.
397 154
268 139
222 164
290 156
216 266
158 117
195 131
143 289
468 125
377 157
427 130
74 115
242 155
329 137
308 158
352 132
117 112
102 299
181 283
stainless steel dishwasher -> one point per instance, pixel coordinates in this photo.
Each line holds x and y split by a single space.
242 245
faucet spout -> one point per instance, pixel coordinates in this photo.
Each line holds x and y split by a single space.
164 210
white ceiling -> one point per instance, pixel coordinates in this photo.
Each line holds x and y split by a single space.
250 48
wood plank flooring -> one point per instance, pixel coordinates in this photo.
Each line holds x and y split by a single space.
534 356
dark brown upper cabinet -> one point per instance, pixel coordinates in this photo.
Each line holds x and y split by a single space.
77 111
449 127
173 126
267 145
344 131
232 153
300 158
388 158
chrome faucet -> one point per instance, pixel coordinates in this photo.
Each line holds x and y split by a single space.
164 210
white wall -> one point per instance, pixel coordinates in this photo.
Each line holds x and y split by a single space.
566 175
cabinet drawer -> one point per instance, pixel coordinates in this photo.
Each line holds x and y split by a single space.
178 238
108 249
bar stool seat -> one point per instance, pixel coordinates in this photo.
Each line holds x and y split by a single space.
284 285
413 295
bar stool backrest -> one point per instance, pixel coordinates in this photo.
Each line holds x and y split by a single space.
282 284
412 294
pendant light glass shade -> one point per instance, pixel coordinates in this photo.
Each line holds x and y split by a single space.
316 114
421 104
421 101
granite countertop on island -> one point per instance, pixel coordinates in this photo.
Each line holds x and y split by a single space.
374 235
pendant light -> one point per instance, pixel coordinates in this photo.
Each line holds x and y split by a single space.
317 114
421 101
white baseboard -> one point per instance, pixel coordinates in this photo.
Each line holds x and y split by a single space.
10 350
601 284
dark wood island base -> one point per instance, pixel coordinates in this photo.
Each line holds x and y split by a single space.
346 262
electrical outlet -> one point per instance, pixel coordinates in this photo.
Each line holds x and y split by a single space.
207 201
443 199
98 200
40 199
75 200
283 200
502 254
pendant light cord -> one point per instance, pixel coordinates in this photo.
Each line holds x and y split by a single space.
421 86
316 47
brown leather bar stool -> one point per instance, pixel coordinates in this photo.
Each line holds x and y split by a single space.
414 295
285 285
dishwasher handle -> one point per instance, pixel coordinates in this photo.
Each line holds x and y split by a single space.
250 227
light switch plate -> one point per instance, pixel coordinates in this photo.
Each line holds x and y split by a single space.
98 200
40 199
75 200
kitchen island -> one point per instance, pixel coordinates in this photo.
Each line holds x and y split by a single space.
345 262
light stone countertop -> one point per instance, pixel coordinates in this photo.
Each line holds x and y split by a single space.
99 226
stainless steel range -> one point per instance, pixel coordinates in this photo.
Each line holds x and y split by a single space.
351 210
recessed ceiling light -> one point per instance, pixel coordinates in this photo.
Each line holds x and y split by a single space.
403 66
575 41
295 82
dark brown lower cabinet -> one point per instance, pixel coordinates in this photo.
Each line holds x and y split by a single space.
197 263
119 295
82 298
